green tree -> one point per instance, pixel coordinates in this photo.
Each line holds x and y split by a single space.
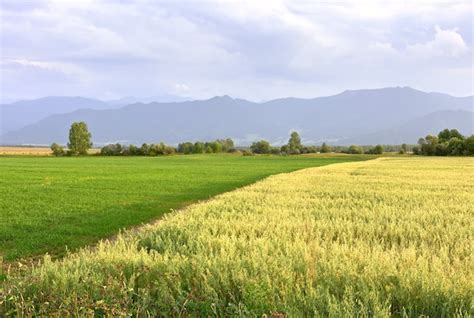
226 144
378 150
428 146
403 149
169 150
199 147
275 150
79 138
261 147
111 150
57 150
469 146
455 147
294 144
132 150
215 146
446 135
144 150
354 149
157 149
185 147
325 148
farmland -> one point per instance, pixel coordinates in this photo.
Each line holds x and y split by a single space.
49 203
30 151
391 236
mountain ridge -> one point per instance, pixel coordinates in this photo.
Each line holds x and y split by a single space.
335 118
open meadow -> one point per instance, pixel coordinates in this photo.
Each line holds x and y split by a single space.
49 203
378 238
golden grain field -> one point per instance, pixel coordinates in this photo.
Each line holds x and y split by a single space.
380 238
33 151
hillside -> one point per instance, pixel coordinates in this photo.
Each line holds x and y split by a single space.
22 113
410 131
347 115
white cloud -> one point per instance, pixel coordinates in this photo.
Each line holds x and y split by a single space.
181 89
69 69
447 43
250 49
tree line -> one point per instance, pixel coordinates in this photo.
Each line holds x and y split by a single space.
294 147
80 142
449 142
446 143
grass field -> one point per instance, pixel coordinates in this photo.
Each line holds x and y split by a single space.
48 203
386 237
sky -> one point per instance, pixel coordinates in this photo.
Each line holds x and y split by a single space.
258 50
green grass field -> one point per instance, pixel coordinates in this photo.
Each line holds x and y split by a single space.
390 237
49 203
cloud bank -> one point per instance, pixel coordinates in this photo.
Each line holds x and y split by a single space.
250 49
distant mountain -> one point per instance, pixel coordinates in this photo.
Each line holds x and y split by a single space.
167 98
19 114
22 113
334 118
410 131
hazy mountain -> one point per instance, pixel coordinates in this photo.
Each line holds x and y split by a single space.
21 113
167 98
346 115
410 131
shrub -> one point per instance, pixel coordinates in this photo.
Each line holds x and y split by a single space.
57 150
261 147
354 149
325 148
377 150
111 150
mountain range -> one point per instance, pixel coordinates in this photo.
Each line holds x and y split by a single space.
387 115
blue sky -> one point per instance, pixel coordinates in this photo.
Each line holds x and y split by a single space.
250 49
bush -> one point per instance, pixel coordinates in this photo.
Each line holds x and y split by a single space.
325 148
356 150
377 150
261 147
144 150
186 148
111 150
469 146
309 149
275 151
403 149
57 150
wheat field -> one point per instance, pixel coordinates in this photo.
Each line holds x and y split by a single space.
380 238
